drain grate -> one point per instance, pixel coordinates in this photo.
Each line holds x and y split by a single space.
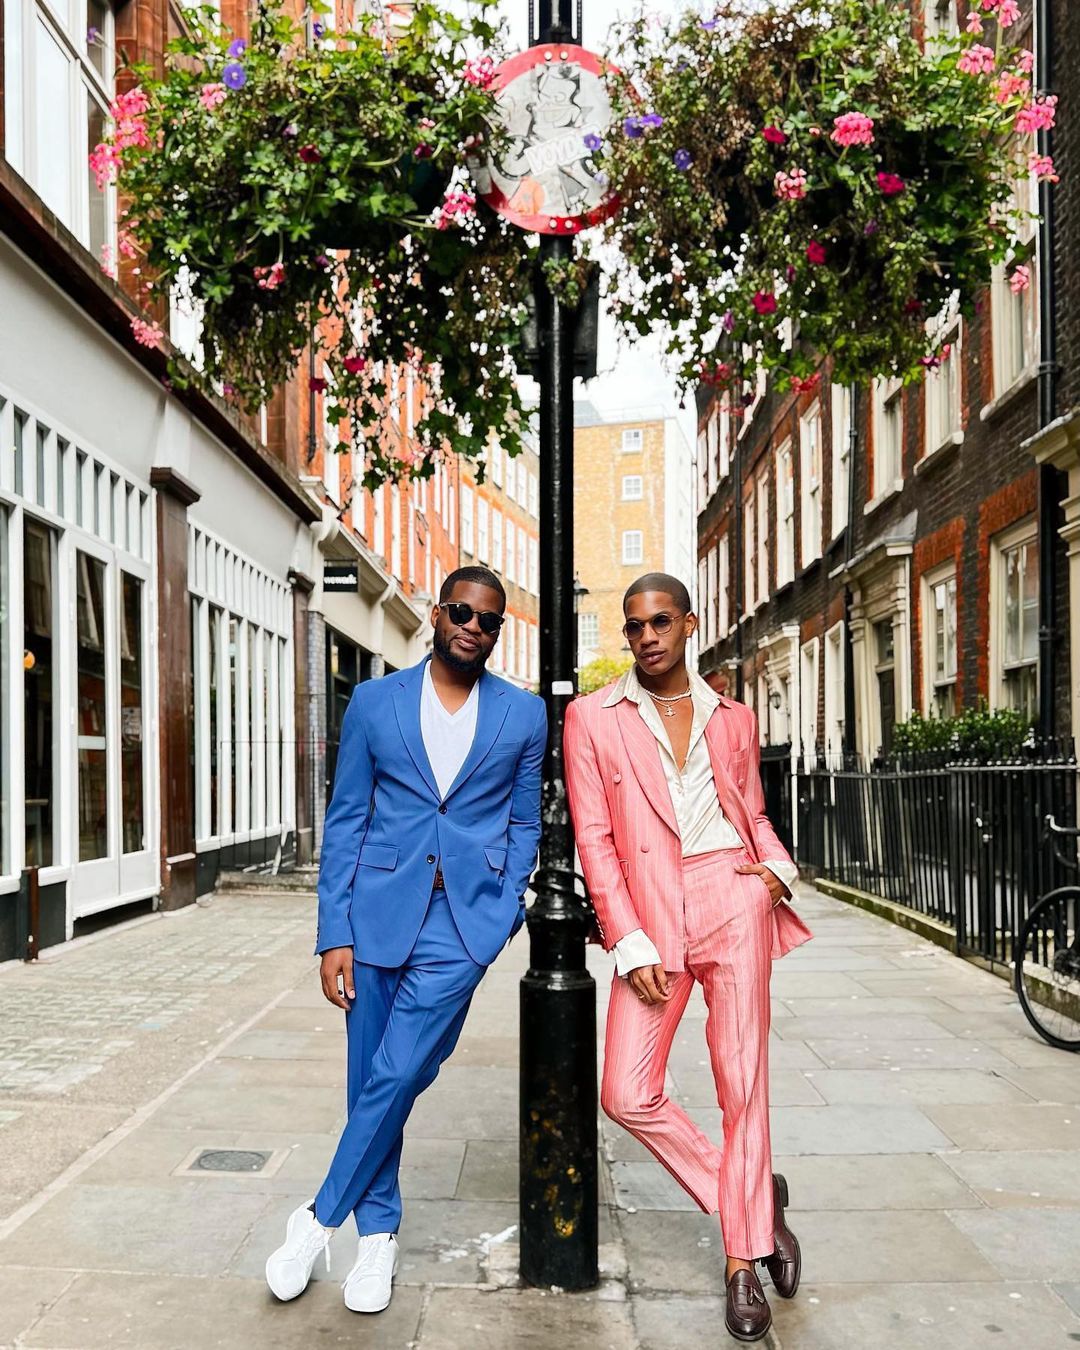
257 1163
230 1160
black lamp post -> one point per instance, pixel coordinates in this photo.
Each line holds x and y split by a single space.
558 1100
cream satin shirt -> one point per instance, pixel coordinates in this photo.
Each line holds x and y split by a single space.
703 827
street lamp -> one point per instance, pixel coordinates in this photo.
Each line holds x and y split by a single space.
558 1098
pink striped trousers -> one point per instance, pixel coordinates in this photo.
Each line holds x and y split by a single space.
729 932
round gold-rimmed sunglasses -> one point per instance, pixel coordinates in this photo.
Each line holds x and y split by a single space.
660 624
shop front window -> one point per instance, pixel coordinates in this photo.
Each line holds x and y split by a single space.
39 674
92 711
131 714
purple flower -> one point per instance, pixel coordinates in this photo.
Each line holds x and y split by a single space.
633 126
729 322
593 142
234 75
871 227
682 160
652 120
291 130
237 48
317 29
93 35
710 25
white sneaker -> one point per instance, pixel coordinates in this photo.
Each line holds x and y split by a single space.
367 1286
288 1270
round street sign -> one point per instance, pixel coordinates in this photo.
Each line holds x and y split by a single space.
553 103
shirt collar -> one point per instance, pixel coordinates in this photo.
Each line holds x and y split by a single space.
628 687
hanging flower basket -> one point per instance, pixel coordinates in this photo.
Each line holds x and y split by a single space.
812 170
295 193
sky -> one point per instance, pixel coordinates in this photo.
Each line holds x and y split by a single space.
631 380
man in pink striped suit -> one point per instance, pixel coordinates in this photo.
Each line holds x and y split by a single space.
689 882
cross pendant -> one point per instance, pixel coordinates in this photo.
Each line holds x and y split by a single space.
669 711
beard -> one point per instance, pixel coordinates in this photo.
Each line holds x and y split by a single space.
466 665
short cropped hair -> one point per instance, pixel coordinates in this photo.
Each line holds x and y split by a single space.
481 576
660 581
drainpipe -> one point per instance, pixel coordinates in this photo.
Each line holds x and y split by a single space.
1049 489
740 579
849 539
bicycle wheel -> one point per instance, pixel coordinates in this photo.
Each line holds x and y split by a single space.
1048 968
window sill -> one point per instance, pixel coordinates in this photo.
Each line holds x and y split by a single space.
998 405
807 567
935 456
884 497
782 587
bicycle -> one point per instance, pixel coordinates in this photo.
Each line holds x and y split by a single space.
1047 955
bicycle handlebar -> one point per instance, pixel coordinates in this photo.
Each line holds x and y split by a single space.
1052 828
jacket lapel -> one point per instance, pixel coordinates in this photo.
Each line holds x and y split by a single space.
490 716
644 756
407 707
719 740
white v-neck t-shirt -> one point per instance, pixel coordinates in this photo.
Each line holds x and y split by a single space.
448 736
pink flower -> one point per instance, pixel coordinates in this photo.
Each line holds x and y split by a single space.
146 334
309 154
105 164
212 96
1026 64
977 60
853 128
807 384
1042 166
1008 85
480 72
774 135
423 151
815 253
719 373
891 184
354 364
790 187
1020 279
764 302
126 245
108 262
127 110
815 132
269 278
974 23
1038 115
1008 13
456 207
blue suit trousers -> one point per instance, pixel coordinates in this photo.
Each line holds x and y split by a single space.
403 1024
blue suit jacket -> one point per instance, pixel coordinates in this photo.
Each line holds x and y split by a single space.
388 825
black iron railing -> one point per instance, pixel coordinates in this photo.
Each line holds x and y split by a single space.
957 841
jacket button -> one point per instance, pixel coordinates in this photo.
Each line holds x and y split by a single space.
442 810
431 857
618 778
644 848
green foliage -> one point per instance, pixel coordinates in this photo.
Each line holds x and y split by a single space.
974 733
600 672
330 161
704 226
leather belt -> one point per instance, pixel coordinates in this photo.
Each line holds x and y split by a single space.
438 884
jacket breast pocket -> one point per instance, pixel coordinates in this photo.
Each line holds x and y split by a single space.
379 855
496 858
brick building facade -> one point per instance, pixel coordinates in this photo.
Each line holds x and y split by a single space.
874 552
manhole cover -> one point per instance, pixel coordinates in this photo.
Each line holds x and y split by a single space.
230 1160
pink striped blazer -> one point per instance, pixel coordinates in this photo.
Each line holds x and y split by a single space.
627 834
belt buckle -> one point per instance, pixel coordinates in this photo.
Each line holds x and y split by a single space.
439 885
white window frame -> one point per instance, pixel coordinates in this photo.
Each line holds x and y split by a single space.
808 698
761 491
785 514
940 19
834 692
633 548
723 581
534 496
522 557
712 632
1024 532
534 565
467 540
888 473
633 487
935 702
841 395
496 540
1014 319
510 570
943 419
482 539
588 632
810 457
712 450
633 440
749 564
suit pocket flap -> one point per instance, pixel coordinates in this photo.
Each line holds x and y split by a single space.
496 858
379 855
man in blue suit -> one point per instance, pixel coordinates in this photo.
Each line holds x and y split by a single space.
430 840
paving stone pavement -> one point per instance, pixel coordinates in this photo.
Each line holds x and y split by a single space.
931 1142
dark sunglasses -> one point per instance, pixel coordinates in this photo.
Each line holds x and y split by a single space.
659 623
461 614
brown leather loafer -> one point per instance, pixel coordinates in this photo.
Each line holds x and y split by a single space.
748 1314
785 1264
